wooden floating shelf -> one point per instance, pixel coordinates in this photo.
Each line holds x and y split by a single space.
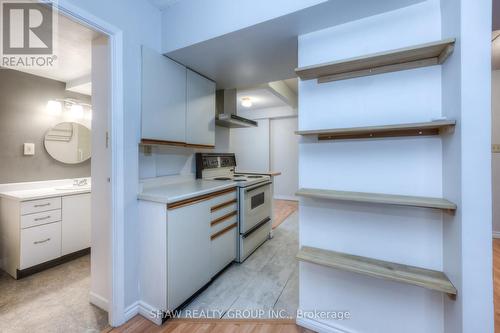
426 278
412 129
423 55
153 142
389 199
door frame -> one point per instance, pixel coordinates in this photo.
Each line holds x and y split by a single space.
116 299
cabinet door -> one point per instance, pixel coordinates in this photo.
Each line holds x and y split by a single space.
163 98
200 117
188 251
75 234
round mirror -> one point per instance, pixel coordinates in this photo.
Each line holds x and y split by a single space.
68 143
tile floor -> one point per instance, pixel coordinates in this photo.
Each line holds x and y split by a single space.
267 280
53 301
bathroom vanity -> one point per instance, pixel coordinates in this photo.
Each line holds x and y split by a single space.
43 224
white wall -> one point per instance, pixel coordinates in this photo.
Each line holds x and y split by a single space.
411 166
251 146
285 157
467 235
140 23
495 126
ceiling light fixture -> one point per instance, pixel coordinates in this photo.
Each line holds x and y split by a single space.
246 102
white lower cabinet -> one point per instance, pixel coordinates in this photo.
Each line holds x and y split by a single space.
223 250
34 232
75 227
184 246
188 247
40 244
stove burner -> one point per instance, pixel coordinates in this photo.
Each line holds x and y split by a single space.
222 178
254 176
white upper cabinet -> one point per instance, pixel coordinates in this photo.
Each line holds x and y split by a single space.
163 98
200 117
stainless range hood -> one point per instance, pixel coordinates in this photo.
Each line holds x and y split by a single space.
227 105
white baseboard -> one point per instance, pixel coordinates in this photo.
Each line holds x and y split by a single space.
286 197
496 234
319 327
131 311
99 301
145 310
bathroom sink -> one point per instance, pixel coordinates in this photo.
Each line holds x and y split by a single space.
73 188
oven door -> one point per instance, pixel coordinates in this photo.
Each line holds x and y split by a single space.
255 205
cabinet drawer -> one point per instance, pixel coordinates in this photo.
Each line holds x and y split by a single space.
42 205
223 250
40 244
223 222
230 207
218 202
35 219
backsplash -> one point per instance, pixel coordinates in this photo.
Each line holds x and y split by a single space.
24 119
170 161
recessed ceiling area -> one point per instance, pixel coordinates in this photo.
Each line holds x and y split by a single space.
260 98
267 51
74 56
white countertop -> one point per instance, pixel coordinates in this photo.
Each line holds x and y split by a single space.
169 193
42 193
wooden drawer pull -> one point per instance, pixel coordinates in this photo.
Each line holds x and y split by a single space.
222 205
195 200
223 218
223 231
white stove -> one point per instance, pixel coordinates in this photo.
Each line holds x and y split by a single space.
254 198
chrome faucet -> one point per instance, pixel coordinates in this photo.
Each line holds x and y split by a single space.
81 182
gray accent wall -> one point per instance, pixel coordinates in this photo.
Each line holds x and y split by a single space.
24 118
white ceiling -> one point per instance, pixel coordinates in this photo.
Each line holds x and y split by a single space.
163 4
73 50
267 52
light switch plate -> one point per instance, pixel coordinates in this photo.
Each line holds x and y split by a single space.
29 149
495 148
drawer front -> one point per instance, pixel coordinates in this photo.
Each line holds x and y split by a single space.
223 211
42 205
223 250
217 201
35 219
40 244
223 222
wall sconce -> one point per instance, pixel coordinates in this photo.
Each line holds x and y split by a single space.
72 106
54 108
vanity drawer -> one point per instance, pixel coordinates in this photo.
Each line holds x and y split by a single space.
40 244
35 219
42 205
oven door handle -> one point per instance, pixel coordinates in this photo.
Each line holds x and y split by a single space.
255 228
257 186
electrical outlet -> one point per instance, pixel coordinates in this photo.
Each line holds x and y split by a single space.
495 148
29 149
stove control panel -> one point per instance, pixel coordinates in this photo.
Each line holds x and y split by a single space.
213 161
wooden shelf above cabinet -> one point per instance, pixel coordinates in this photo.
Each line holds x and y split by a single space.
426 278
153 142
422 55
389 199
412 129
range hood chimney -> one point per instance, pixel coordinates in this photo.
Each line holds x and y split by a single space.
227 104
